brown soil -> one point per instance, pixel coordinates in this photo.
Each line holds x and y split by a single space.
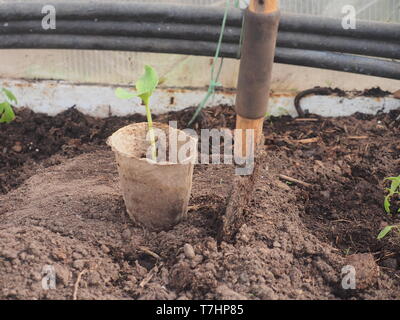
61 206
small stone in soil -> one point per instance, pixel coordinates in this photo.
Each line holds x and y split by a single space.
126 234
94 278
276 244
17 147
63 274
79 264
105 249
189 251
77 256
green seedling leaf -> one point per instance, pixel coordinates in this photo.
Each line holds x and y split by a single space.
145 86
10 96
393 190
387 204
124 94
6 113
394 185
148 82
384 232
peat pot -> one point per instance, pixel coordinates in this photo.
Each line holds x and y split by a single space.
156 193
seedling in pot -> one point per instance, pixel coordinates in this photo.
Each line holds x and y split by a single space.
145 87
392 191
6 112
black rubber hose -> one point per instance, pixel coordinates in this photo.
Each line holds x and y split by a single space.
40 41
339 62
139 12
375 48
383 49
118 11
333 26
309 58
125 28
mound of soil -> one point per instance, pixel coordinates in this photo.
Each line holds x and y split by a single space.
318 200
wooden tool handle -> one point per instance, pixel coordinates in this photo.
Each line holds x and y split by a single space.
266 6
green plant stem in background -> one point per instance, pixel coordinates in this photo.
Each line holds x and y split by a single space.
214 78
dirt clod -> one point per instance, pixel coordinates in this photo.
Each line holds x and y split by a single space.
228 294
367 271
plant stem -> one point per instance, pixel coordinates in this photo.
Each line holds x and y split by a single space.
151 132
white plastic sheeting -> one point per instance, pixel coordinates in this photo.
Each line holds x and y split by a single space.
54 97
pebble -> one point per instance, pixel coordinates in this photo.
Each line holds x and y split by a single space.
105 249
94 278
58 254
32 249
189 251
77 256
79 264
326 194
276 244
243 237
62 274
17 147
244 277
36 276
22 256
126 234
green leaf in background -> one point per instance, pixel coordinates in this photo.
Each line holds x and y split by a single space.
10 96
6 113
124 94
384 232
